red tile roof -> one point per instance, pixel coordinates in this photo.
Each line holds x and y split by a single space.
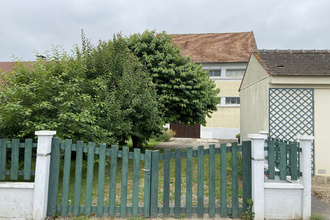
216 47
7 66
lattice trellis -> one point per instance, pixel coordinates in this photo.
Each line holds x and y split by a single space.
291 112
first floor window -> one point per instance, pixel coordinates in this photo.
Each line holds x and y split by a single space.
235 73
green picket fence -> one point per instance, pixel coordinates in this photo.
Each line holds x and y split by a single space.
17 160
283 159
111 182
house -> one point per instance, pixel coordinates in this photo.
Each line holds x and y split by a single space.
287 92
225 56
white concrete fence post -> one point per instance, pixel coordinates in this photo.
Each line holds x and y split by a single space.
41 181
258 157
305 167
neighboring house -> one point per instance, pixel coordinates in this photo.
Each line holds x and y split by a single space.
225 56
287 92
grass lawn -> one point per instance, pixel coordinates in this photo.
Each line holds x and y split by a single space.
141 181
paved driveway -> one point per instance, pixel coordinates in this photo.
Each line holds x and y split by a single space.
193 142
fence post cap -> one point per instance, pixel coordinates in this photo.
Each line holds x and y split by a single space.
263 132
257 136
45 133
305 137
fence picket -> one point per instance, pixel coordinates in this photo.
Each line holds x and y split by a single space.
166 190
147 167
113 177
78 176
100 191
189 176
212 181
14 159
294 161
247 174
54 177
66 177
234 175
136 176
3 158
89 178
27 159
200 183
223 180
124 176
177 193
154 183
271 160
282 161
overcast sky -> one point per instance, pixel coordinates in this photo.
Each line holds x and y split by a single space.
33 26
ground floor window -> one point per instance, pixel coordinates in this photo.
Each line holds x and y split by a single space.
229 101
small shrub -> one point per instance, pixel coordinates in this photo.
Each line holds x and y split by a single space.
316 216
166 135
248 214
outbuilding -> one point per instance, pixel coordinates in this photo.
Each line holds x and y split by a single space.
287 93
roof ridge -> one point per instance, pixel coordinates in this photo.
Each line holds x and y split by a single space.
214 33
289 51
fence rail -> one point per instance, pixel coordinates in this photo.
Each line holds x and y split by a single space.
11 157
152 190
283 159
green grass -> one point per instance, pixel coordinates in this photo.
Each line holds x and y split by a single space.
160 182
316 216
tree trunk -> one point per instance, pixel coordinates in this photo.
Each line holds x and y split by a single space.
136 142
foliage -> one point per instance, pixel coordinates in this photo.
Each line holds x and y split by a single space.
316 216
49 95
129 100
121 88
248 214
185 92
166 135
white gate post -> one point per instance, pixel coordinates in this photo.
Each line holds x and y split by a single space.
41 180
305 167
258 157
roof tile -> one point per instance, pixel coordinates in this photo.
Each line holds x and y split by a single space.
216 47
294 62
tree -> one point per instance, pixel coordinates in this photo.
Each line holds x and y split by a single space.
185 93
50 95
130 107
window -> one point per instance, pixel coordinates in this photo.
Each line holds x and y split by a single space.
232 100
235 72
229 101
214 73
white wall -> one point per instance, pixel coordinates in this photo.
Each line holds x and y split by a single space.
254 100
16 200
321 130
219 133
21 200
